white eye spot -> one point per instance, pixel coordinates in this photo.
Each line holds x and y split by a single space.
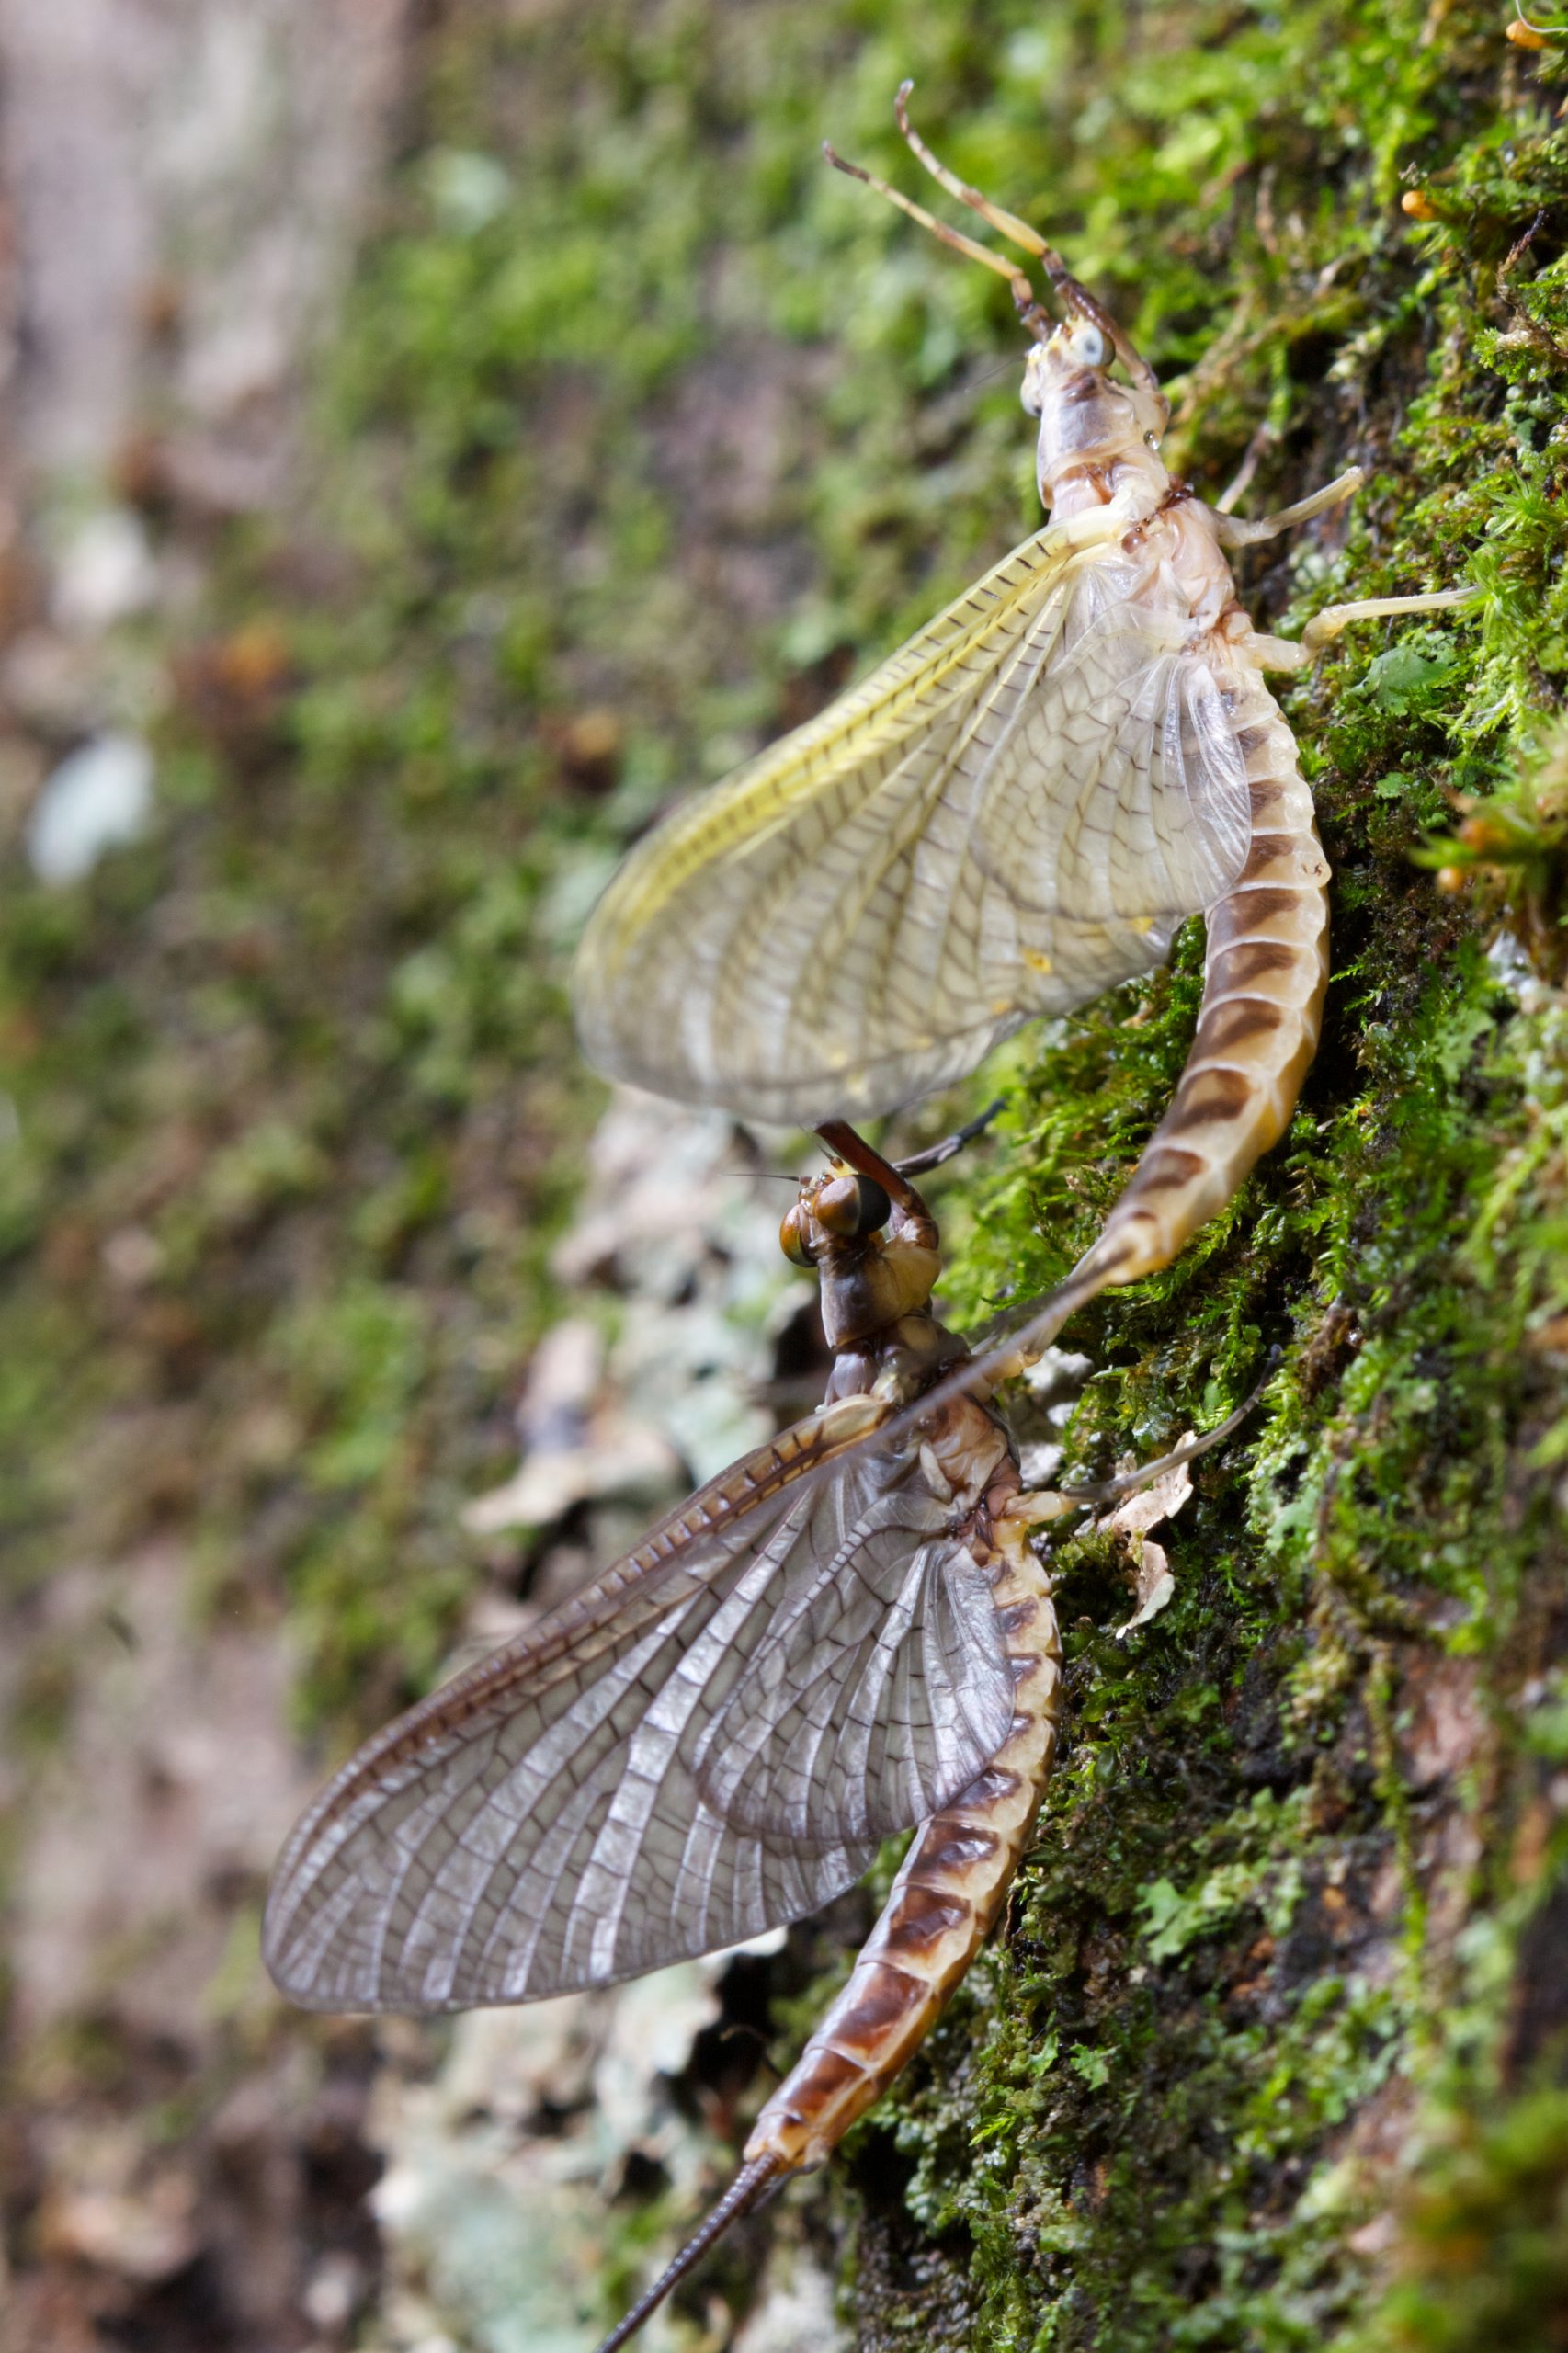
1089 345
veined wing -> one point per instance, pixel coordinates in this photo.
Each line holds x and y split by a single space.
1009 816
880 1685
713 1740
1115 791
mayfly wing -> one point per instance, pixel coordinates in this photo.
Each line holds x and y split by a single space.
710 1741
881 1678
1115 792
1008 817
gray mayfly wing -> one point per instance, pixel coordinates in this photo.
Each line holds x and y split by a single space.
880 1686
1011 816
711 1741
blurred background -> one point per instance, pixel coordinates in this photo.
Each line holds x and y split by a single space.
434 434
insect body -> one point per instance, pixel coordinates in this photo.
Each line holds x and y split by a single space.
833 1641
1013 814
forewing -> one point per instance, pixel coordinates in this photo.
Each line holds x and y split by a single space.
544 1822
1010 816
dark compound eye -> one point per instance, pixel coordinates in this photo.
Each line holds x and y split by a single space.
851 1207
875 1206
792 1237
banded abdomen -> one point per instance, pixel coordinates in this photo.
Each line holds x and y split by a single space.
1265 974
943 1901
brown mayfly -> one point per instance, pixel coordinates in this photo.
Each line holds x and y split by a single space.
844 1636
1010 815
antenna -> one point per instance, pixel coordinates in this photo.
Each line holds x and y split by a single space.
1036 319
1064 286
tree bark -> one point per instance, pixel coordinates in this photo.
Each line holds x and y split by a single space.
643 431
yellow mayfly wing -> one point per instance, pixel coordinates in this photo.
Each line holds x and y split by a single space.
1008 817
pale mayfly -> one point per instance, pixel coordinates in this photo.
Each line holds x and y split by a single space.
1013 814
846 1634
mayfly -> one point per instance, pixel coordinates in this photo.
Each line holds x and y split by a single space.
1010 815
844 1635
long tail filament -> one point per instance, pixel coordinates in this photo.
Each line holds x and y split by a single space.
748 2190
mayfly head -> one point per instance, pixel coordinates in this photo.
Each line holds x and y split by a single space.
870 1236
1094 430
837 1217
1087 420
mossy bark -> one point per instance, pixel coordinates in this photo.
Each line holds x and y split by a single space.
641 412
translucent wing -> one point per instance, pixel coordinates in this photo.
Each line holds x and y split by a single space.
880 1685
1009 816
1114 790
710 1741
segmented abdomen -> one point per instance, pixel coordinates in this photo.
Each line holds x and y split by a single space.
943 1901
1264 978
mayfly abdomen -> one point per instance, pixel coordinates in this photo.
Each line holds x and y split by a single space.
942 1906
1265 970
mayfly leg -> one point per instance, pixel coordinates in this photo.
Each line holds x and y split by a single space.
1286 653
1064 284
937 1155
1232 532
1067 288
1023 292
997 215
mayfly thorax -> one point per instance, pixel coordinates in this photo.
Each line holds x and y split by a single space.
846 1634
1015 812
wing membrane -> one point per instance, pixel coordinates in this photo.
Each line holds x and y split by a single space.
1116 793
1009 816
881 1686
713 1740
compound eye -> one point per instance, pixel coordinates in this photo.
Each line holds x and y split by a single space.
1089 345
794 1238
851 1207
